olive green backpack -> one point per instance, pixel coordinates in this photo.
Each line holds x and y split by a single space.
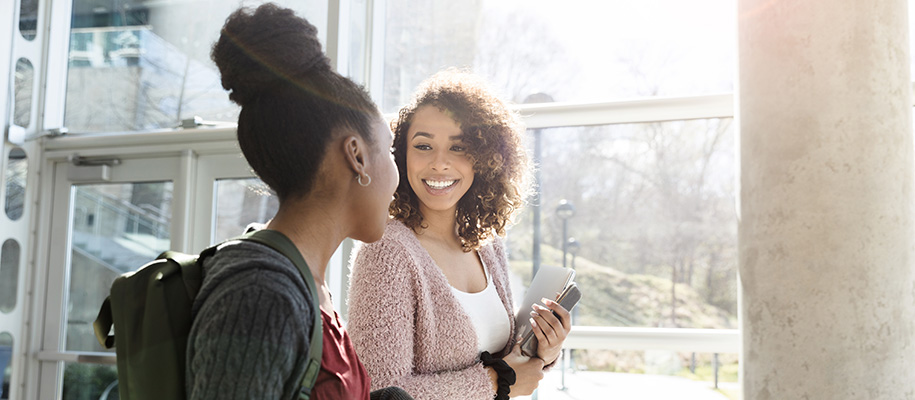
150 309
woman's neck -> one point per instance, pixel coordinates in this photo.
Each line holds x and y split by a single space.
313 230
440 225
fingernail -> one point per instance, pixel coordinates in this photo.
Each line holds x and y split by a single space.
544 300
533 323
534 313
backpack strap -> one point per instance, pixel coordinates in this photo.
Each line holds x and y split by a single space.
282 244
193 277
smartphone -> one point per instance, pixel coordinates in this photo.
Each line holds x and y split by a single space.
567 299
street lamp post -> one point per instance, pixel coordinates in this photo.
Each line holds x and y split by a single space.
574 246
564 211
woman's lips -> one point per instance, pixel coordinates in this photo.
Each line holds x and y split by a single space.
439 187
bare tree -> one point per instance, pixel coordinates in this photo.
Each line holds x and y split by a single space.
519 54
651 198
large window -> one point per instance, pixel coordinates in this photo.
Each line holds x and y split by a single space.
654 228
137 65
653 240
591 50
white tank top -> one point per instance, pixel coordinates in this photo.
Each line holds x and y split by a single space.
487 313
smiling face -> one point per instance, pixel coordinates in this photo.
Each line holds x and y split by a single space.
438 168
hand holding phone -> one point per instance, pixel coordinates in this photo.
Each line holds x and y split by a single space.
568 299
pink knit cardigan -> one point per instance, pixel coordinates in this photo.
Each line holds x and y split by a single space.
406 325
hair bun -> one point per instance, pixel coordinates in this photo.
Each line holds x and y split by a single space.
259 50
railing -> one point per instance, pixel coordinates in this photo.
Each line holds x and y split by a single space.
147 216
86 253
725 341
99 218
715 341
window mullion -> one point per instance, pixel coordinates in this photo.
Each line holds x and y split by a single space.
52 95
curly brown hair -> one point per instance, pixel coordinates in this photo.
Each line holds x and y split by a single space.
492 134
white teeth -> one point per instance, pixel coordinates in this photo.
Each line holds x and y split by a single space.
439 184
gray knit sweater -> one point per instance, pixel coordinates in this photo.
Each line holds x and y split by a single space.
252 326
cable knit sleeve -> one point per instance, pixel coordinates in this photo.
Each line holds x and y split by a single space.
252 327
384 306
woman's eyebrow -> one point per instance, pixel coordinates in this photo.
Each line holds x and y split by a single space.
455 138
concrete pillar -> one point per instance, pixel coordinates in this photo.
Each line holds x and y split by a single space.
826 202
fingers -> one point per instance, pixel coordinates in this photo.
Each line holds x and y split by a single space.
542 340
565 317
517 347
546 320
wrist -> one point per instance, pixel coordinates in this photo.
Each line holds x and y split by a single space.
551 357
493 378
505 374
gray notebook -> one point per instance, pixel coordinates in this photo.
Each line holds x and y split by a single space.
549 282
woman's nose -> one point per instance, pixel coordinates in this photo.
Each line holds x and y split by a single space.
440 161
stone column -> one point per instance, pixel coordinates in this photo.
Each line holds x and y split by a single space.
826 202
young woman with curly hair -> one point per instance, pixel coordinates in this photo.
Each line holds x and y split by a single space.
430 305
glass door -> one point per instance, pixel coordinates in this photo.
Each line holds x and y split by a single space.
106 220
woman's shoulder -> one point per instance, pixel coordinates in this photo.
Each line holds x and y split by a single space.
397 238
396 247
396 230
494 250
243 256
251 279
246 266
495 243
392 261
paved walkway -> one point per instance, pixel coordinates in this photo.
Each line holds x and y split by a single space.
588 385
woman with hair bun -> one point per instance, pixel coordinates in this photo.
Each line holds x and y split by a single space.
430 305
319 142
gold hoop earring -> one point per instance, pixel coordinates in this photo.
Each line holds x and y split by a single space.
359 179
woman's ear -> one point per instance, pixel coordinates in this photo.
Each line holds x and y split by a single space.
355 153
